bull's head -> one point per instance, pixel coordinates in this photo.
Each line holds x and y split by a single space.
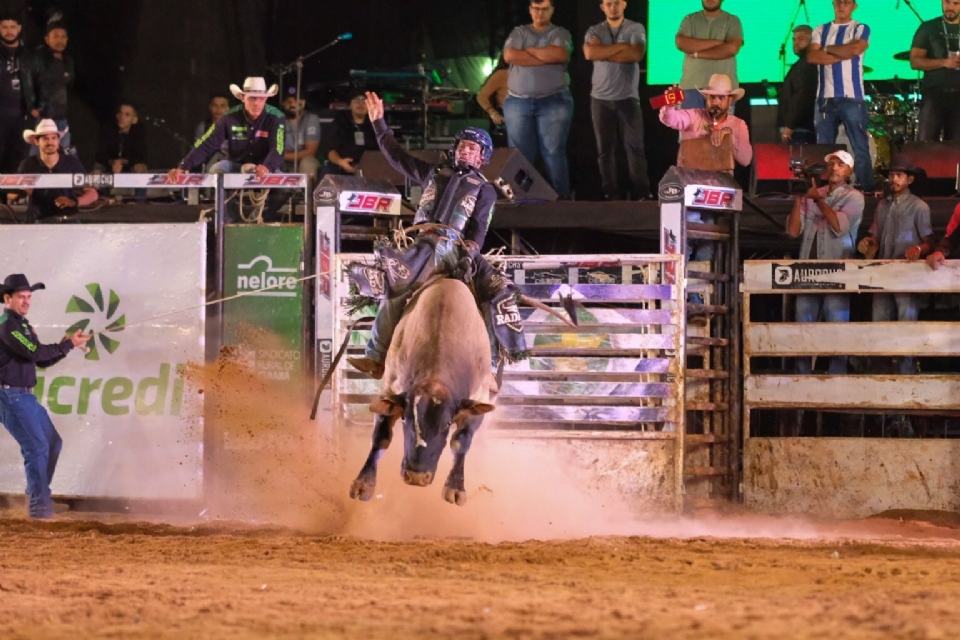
428 412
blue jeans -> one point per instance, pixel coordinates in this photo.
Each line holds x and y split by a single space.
225 166
836 308
40 445
853 114
64 141
541 125
902 307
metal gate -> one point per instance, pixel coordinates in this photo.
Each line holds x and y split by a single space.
617 378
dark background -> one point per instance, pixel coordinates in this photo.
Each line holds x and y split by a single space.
168 55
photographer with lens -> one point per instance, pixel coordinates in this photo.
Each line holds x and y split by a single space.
826 219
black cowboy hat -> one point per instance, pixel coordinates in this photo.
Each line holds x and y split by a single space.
904 165
18 282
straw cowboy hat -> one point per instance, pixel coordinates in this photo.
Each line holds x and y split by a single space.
46 126
720 85
18 282
255 87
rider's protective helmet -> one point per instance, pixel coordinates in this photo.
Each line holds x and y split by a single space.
474 134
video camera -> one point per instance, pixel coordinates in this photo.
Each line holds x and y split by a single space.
804 175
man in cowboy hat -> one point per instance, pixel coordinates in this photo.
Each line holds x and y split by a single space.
901 229
827 219
715 121
22 415
53 205
253 132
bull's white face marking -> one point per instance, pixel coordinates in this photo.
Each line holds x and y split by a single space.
416 423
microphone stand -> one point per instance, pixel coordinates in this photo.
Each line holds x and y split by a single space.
802 4
163 126
912 8
297 64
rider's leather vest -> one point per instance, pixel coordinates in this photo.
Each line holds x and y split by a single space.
450 197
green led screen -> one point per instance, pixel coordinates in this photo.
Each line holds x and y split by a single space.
765 25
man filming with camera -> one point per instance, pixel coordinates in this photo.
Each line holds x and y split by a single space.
826 219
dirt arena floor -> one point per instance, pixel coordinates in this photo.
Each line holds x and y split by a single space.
277 551
80 578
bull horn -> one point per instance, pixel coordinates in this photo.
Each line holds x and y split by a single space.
536 304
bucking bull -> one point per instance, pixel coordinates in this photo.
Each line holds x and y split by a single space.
438 377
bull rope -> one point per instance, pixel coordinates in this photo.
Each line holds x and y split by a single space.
228 298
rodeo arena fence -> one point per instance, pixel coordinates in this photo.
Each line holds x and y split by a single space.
650 381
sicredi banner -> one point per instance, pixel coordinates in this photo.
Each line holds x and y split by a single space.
130 426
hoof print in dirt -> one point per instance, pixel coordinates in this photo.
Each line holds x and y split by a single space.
455 496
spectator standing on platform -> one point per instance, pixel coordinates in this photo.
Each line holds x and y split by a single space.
16 93
253 131
826 219
123 148
710 40
301 139
494 91
20 412
837 48
936 51
538 109
351 133
53 205
55 78
798 95
901 229
616 46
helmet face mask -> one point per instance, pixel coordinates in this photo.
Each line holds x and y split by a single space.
475 135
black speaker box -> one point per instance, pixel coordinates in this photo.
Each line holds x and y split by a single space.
771 171
374 165
509 166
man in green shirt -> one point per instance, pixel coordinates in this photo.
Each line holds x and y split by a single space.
711 39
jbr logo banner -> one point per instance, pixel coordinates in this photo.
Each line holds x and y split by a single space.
130 425
264 263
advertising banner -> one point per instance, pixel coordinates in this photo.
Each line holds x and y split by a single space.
130 426
267 325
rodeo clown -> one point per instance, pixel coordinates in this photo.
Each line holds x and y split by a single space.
455 210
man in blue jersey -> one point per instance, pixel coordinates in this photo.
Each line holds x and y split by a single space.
837 49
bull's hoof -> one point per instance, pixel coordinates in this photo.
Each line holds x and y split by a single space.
363 488
455 496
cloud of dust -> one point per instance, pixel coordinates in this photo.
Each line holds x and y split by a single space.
274 466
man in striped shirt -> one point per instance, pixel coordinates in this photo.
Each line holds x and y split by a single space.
837 48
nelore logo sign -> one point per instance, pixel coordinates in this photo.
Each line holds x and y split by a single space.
260 273
101 315
155 394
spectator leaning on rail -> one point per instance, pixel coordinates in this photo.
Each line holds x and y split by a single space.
123 146
253 132
901 229
826 219
947 248
53 205
20 412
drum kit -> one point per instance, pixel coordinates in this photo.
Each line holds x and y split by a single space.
894 117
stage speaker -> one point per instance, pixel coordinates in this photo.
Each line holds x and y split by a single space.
375 165
763 124
940 161
509 167
771 171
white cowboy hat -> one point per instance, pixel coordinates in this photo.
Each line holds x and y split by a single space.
720 85
46 126
254 86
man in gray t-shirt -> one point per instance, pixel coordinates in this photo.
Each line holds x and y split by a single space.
301 138
616 46
538 109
